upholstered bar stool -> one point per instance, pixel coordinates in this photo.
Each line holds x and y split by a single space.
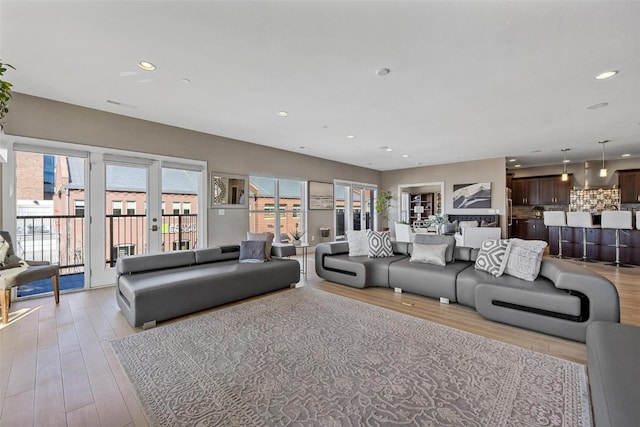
617 220
582 220
556 219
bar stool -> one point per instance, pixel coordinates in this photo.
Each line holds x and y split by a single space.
617 220
582 220
556 219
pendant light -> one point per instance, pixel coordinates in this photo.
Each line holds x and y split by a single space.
603 170
565 175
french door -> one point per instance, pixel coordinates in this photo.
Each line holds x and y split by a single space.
125 212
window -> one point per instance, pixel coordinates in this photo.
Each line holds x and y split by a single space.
286 196
176 208
354 207
116 207
125 250
186 208
78 208
131 208
49 176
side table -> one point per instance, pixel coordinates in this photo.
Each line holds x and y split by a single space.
305 254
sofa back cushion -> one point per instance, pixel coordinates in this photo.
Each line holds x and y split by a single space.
150 262
437 239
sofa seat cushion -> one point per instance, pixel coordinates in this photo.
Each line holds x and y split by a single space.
613 351
362 271
164 294
426 279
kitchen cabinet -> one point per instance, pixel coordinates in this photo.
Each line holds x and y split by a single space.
629 183
552 190
525 191
529 229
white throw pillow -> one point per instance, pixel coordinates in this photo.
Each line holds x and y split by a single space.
358 243
379 244
524 258
429 254
4 250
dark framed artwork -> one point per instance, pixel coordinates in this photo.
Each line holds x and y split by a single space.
320 195
472 196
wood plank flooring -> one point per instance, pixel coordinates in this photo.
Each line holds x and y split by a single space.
57 367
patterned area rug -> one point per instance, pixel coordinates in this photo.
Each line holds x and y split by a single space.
306 357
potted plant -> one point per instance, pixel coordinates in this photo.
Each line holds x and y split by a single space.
383 203
5 93
296 235
537 211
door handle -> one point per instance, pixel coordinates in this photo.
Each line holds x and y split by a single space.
154 228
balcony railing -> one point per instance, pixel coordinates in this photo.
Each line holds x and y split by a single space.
60 239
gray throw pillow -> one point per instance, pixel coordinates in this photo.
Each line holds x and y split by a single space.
4 251
267 237
435 239
252 251
429 254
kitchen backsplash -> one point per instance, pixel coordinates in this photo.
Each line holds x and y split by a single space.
594 201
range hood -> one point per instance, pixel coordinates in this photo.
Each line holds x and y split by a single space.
592 179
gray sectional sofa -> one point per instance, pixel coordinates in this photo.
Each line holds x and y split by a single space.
563 300
613 352
155 287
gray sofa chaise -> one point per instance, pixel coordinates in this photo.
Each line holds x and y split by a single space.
155 287
562 301
613 352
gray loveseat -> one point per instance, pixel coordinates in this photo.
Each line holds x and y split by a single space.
563 300
155 287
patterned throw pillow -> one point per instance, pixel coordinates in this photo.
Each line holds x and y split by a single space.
524 258
358 243
379 244
492 257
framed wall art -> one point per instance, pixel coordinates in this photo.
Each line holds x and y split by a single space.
320 195
472 196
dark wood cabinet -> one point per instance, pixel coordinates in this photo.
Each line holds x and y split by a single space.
546 190
552 190
529 229
629 183
525 191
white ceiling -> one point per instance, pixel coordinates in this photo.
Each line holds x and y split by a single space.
469 80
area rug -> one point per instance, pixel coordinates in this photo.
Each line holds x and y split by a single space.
306 357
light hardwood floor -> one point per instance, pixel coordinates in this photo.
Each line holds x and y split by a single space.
57 367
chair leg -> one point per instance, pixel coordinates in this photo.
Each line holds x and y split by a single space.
6 300
617 262
584 258
56 287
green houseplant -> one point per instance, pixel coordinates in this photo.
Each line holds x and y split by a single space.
383 203
296 235
5 93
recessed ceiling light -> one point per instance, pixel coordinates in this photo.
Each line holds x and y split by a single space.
566 161
185 81
389 149
282 114
147 66
626 155
512 160
383 72
606 75
596 106
405 156
350 136
517 166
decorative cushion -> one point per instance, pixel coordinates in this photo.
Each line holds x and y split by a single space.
4 250
252 251
492 257
468 224
379 244
358 243
449 228
435 239
524 258
267 237
429 254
